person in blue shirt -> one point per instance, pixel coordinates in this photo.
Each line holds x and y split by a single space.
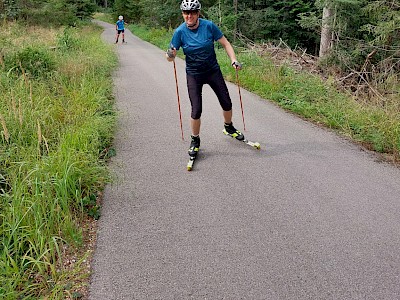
120 28
196 36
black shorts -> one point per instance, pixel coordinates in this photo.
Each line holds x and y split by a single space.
122 30
195 88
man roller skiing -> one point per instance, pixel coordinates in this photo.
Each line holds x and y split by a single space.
120 28
196 36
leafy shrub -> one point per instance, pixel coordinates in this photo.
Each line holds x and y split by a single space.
67 40
32 61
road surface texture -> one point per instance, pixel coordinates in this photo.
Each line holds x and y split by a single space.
309 216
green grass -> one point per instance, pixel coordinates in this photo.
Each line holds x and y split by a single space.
160 37
320 102
377 128
56 126
56 120
105 17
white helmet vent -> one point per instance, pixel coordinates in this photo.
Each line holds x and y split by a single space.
190 5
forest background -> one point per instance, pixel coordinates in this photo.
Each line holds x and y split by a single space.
355 42
335 63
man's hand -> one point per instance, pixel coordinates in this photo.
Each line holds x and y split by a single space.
170 54
237 65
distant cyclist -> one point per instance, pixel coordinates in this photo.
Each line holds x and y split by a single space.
120 28
196 36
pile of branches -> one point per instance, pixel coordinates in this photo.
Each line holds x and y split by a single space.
376 81
282 54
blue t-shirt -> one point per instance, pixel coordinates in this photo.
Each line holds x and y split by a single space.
198 46
120 25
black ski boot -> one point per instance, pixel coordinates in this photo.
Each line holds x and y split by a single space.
233 132
194 146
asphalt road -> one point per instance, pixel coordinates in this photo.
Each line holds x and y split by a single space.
309 216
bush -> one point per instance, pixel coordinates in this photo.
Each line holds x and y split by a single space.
67 40
31 61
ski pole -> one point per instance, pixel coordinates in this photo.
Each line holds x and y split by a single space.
170 54
179 101
240 94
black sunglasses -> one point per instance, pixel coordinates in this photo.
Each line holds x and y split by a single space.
190 12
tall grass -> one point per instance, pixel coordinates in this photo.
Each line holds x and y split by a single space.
376 127
57 117
309 96
160 37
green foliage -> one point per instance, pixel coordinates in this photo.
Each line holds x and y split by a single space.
310 21
67 40
9 9
105 17
105 5
67 12
84 8
131 10
383 23
52 132
367 44
31 61
160 37
89 204
265 21
257 20
362 25
58 12
155 14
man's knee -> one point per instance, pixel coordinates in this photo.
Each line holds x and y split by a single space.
227 106
195 115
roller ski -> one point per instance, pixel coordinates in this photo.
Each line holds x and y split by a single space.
234 133
193 151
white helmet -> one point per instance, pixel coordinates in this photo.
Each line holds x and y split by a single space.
121 17
190 5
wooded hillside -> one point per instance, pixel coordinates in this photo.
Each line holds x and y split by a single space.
356 40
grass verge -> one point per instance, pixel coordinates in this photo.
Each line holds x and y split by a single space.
56 124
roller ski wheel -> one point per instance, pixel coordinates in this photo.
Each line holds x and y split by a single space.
192 158
255 145
238 136
190 163
193 151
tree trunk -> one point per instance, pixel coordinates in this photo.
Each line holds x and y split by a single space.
326 31
235 5
219 14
